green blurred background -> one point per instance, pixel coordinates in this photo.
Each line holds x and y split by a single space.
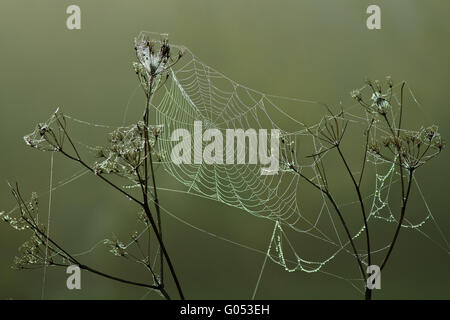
317 50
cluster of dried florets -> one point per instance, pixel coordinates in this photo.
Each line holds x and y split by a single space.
130 153
329 133
19 222
32 254
37 251
331 129
287 159
153 60
126 153
116 247
48 136
413 149
379 101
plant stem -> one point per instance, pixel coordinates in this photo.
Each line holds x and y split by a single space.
87 268
400 221
368 294
158 213
147 211
84 164
64 254
163 249
363 210
147 151
401 110
335 206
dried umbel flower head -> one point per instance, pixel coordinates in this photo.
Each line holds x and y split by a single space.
129 154
32 252
154 59
27 212
379 101
413 148
150 63
116 247
287 152
125 153
50 135
331 129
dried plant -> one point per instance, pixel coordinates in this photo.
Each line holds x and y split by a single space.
129 154
407 150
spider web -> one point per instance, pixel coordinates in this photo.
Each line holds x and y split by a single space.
304 238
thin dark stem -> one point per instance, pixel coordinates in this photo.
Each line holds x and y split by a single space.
87 268
145 205
140 181
68 137
402 179
164 293
401 109
148 154
335 206
68 256
158 212
57 144
108 276
399 151
368 294
146 149
389 124
163 248
365 153
363 210
79 160
400 221
148 213
398 135
84 164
